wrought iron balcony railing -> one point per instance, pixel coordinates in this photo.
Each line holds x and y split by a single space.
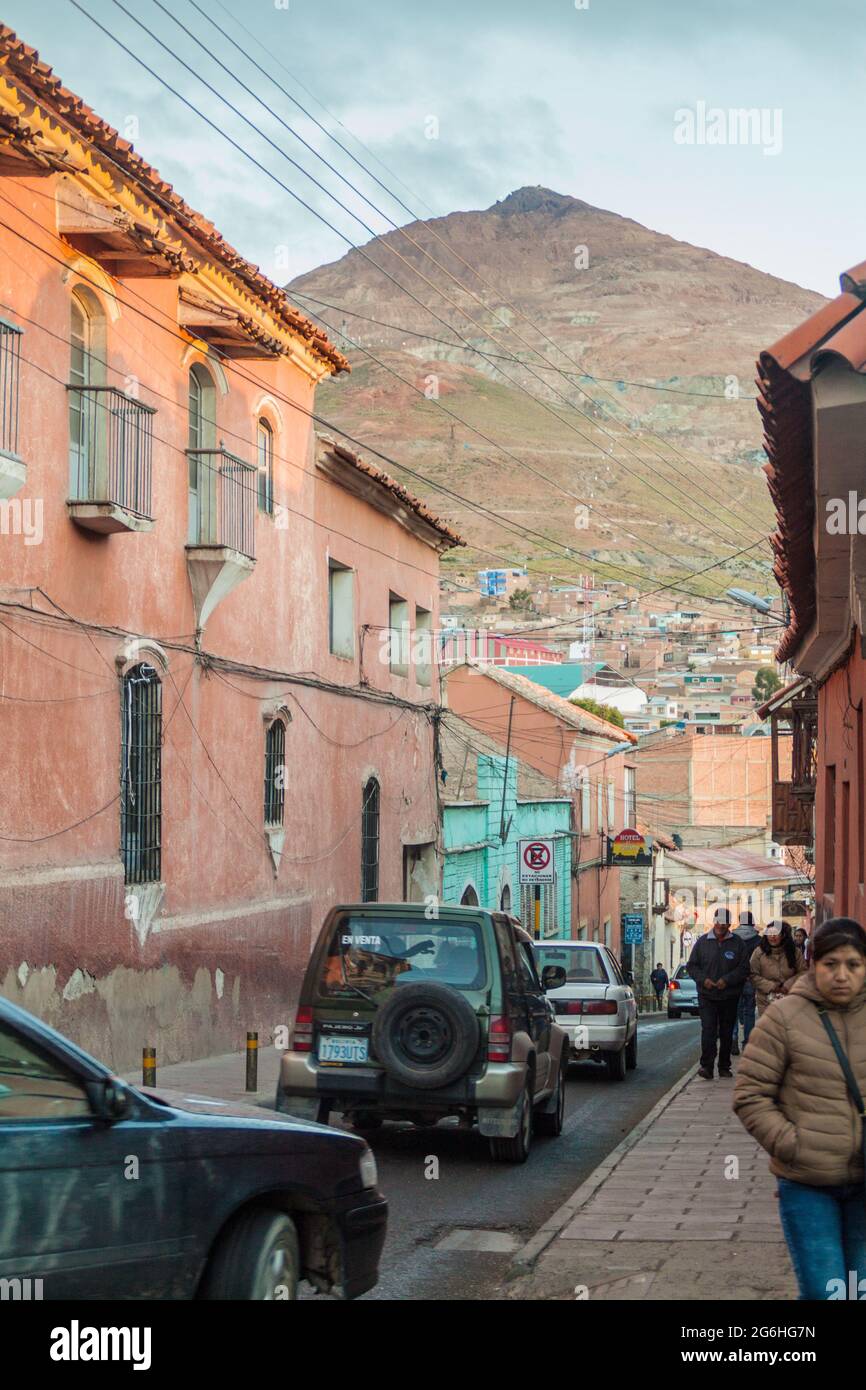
10 364
110 448
222 501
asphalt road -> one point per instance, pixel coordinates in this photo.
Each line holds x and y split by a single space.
472 1192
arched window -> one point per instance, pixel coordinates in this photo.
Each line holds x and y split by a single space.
201 438
265 447
470 897
141 775
370 843
86 371
505 899
275 773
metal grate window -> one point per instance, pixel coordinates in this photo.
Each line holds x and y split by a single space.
10 366
275 773
370 843
141 774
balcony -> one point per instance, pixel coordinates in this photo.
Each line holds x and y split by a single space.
793 714
13 470
220 552
110 457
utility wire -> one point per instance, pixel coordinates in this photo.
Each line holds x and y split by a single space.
361 251
510 327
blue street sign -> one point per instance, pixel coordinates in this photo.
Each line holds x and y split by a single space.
632 926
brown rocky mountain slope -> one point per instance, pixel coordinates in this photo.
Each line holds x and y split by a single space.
639 348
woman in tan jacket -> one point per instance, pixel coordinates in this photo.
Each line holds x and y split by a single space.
774 965
791 1094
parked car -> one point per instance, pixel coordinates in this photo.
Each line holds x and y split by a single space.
682 994
405 1017
595 1004
107 1191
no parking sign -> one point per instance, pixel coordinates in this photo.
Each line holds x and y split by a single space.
536 861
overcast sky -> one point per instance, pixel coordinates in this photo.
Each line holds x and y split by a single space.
584 101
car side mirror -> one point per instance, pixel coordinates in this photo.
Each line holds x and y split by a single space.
110 1099
553 977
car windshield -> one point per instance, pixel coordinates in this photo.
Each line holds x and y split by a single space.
582 964
367 956
682 974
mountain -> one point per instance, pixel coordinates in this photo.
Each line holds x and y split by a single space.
639 348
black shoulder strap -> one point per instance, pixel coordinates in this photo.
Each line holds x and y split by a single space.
843 1063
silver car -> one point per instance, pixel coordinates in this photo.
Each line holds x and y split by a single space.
682 994
596 1005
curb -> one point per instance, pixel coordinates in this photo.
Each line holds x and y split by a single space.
529 1253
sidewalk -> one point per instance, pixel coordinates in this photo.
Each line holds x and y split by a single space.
659 1219
223 1077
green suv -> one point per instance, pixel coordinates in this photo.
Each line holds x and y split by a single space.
407 1016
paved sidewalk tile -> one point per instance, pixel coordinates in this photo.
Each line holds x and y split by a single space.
653 1227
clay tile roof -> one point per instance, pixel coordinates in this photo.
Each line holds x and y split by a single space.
574 715
23 67
409 500
785 371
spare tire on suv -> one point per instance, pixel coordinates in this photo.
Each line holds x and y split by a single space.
426 1035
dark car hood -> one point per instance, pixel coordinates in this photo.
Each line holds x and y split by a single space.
217 1109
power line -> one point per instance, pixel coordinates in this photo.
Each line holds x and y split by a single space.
402 231
361 251
509 357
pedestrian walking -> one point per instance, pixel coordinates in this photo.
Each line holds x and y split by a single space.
775 964
659 982
800 1091
748 932
802 941
719 965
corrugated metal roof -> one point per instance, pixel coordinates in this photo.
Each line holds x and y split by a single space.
734 865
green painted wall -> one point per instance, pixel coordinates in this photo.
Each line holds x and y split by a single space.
475 855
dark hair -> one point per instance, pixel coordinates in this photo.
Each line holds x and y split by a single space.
836 932
747 919
721 917
789 945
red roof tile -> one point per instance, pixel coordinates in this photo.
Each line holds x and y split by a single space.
23 67
785 371
391 485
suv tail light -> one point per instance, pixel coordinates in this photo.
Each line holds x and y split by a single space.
499 1039
600 1006
673 984
302 1033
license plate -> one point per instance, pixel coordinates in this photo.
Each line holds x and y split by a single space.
334 1049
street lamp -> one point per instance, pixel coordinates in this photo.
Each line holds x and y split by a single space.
761 605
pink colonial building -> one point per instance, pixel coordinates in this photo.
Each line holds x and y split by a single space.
206 738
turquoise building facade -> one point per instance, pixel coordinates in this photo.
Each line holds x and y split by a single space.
481 849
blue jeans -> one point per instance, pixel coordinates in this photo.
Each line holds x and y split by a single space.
825 1228
746 1011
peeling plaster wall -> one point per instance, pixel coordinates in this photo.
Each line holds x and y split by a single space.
220 944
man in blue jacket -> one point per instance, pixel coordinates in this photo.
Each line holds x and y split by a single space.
719 966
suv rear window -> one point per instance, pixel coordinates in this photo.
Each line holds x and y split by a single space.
371 956
583 964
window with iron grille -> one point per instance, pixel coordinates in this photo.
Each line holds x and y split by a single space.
141 775
275 773
10 363
370 843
